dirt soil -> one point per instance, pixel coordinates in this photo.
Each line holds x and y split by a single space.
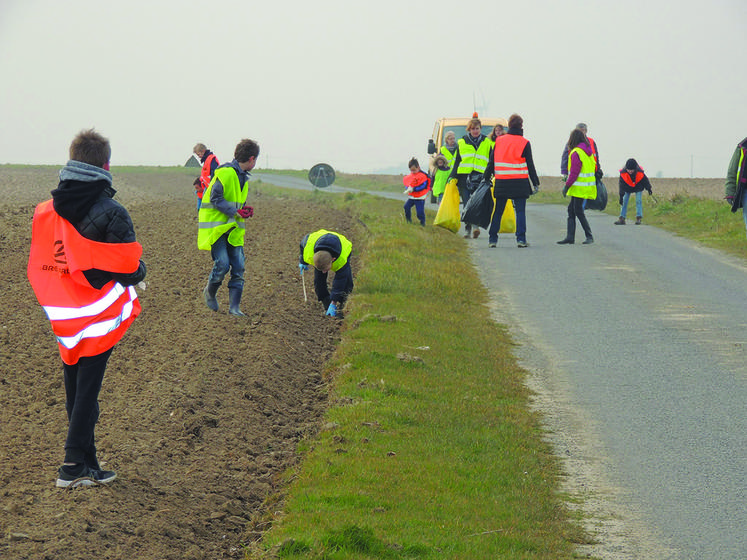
201 412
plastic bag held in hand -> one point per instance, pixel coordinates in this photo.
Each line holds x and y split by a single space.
332 310
245 212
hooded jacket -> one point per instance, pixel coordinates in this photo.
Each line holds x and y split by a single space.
84 198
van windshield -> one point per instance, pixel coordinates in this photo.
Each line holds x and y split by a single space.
460 130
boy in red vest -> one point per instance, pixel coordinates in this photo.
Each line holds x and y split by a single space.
83 266
632 180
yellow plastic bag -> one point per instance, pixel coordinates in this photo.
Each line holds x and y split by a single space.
508 220
448 211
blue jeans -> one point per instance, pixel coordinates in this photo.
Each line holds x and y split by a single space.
520 205
638 204
419 205
227 256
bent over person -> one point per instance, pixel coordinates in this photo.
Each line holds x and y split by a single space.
222 224
325 251
83 266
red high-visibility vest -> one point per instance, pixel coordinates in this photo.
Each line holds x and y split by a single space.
507 161
631 182
86 321
205 174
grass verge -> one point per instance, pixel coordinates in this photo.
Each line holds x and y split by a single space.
430 449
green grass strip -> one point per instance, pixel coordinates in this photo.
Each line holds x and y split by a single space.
430 449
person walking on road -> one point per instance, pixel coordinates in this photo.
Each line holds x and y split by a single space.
325 251
632 180
736 180
512 166
580 185
83 266
473 152
222 225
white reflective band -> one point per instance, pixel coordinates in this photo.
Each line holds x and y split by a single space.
585 175
513 165
513 172
63 313
208 225
102 328
206 205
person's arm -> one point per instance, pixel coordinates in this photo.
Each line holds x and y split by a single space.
564 162
731 174
455 165
217 199
527 155
490 168
574 171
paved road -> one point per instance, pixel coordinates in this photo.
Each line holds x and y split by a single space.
637 349
641 339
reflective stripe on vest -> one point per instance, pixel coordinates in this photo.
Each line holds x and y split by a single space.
740 165
212 222
86 321
205 174
473 160
585 185
508 161
308 249
448 155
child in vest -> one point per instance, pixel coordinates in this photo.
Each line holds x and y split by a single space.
632 180
417 186
443 170
325 251
83 211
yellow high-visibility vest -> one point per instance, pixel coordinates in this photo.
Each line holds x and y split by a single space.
212 222
473 159
585 185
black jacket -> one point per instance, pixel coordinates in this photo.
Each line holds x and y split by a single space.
514 188
90 208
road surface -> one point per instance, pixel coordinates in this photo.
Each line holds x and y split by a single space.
636 350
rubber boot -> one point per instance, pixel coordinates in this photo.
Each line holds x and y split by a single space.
571 233
209 293
234 299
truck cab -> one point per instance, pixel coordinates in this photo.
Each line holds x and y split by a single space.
459 127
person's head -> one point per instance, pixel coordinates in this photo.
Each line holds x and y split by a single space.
498 130
450 138
199 149
515 121
246 153
413 165
91 148
577 137
440 162
474 127
631 165
583 128
323 261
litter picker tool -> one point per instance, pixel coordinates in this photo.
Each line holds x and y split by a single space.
303 283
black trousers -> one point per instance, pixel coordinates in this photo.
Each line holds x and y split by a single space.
576 210
342 285
82 386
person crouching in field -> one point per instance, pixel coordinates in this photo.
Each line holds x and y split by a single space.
418 184
632 180
222 224
325 251
83 266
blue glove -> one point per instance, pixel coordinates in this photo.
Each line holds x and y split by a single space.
303 267
332 310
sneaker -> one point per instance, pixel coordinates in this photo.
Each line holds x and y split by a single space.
83 476
566 241
475 234
492 245
638 220
620 221
588 241
522 244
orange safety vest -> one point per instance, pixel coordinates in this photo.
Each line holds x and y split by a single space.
419 182
593 147
86 321
507 159
628 180
205 174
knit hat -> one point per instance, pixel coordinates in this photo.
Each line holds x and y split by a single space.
631 164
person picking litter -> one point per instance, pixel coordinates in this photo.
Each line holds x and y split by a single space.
222 224
325 251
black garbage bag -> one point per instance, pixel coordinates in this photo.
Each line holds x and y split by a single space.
600 202
479 208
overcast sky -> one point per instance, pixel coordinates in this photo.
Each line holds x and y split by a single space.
359 85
